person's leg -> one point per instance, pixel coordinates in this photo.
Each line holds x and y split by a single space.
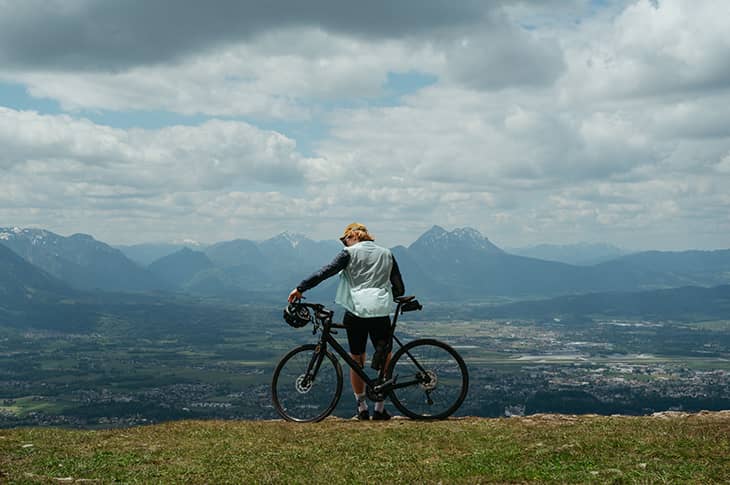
358 385
380 405
380 337
357 336
379 331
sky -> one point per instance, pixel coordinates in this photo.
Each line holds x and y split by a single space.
557 121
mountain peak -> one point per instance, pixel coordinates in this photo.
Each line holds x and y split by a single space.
462 237
291 238
468 233
436 232
190 242
8 232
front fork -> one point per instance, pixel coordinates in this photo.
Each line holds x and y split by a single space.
314 364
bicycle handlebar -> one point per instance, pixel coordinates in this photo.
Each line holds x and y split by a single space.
404 304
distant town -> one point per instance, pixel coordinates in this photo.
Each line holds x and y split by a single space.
517 367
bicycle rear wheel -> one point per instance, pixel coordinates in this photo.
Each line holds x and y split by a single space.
431 379
303 390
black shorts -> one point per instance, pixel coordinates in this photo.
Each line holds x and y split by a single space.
359 328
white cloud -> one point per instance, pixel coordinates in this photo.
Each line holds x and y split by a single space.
499 55
724 165
213 155
263 79
651 48
284 72
540 127
100 35
64 164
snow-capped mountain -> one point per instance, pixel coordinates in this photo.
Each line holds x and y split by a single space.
439 239
79 260
440 265
297 249
286 239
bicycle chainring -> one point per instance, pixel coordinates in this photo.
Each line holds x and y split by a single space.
374 395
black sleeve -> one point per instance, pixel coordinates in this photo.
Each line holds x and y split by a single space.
396 280
337 265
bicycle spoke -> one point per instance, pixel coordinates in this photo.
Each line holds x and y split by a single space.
297 396
445 380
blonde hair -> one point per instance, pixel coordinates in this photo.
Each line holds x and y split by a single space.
359 231
362 235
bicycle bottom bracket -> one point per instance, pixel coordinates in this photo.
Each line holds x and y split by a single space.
303 384
429 381
374 395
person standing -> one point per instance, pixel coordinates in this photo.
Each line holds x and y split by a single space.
369 281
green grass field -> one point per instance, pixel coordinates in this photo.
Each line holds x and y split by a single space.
673 448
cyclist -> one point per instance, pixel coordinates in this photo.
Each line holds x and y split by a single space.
369 280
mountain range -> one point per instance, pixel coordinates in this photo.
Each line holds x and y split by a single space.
23 284
685 303
583 254
444 265
80 261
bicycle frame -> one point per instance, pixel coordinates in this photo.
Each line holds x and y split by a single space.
411 380
378 385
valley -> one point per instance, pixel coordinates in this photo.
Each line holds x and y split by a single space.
90 338
126 373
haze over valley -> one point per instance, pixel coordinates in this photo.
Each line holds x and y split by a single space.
91 337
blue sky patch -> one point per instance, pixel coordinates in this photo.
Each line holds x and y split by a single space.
399 84
16 96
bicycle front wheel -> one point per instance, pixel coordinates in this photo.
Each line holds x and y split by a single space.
306 385
431 379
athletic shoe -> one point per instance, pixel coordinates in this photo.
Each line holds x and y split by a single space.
378 416
363 415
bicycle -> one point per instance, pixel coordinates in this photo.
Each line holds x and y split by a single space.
425 378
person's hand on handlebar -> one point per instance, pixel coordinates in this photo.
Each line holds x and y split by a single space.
295 295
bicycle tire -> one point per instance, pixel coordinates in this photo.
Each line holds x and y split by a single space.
297 402
448 381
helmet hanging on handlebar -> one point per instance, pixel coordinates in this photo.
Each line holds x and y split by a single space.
297 315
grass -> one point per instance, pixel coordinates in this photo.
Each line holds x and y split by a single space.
28 404
674 448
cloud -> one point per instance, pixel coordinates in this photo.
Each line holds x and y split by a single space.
99 35
103 162
663 48
208 181
482 139
260 60
544 122
500 54
263 80
692 117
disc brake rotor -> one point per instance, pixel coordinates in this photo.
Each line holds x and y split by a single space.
429 383
303 385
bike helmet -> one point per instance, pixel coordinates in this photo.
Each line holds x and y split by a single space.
297 315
